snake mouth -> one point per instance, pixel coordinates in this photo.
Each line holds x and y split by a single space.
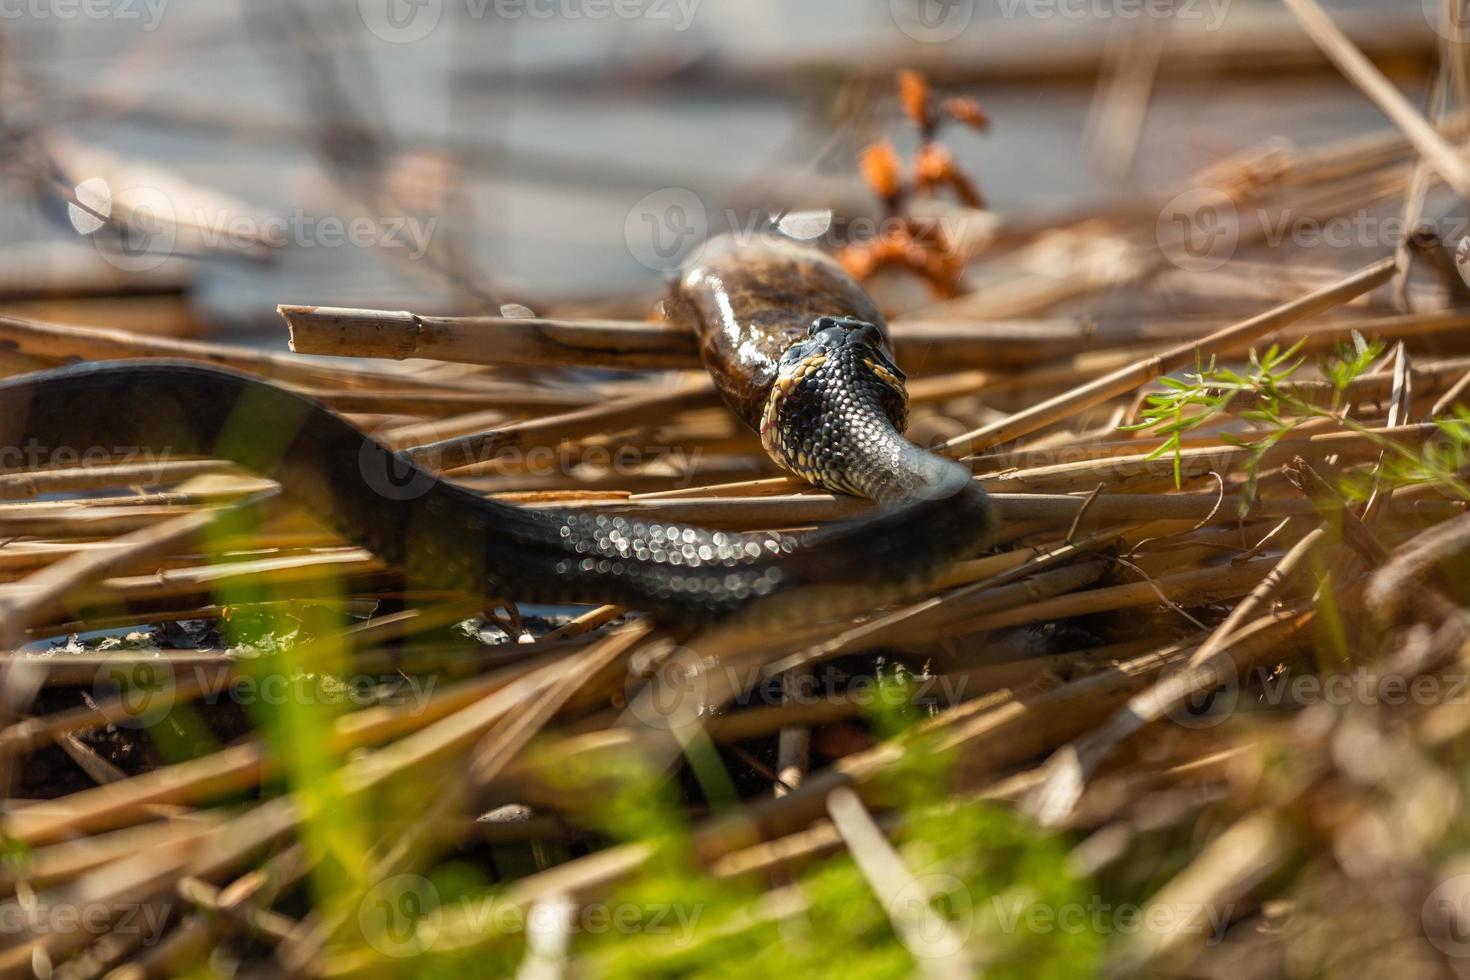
837 396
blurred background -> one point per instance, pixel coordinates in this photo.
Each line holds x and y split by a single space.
212 159
1090 182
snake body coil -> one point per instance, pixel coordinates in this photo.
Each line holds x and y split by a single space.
829 407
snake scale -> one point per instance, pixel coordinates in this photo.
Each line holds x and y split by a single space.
796 348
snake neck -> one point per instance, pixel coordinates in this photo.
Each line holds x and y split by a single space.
839 423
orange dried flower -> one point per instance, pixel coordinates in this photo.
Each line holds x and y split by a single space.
934 167
882 170
921 250
967 111
913 95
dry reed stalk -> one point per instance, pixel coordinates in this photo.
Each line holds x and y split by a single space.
499 733
633 344
44 589
1217 879
1208 666
429 403
746 513
205 580
452 454
1445 160
47 866
1117 472
33 483
941 953
585 623
242 905
63 342
1183 355
240 766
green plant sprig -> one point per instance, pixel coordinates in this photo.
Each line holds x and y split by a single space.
1280 408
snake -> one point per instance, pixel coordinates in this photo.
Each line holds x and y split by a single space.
796 348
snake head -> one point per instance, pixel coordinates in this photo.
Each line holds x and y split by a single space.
837 392
854 341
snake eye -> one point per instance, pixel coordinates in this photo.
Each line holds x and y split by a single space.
797 353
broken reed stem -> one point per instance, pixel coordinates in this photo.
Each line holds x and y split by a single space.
638 345
794 743
68 343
